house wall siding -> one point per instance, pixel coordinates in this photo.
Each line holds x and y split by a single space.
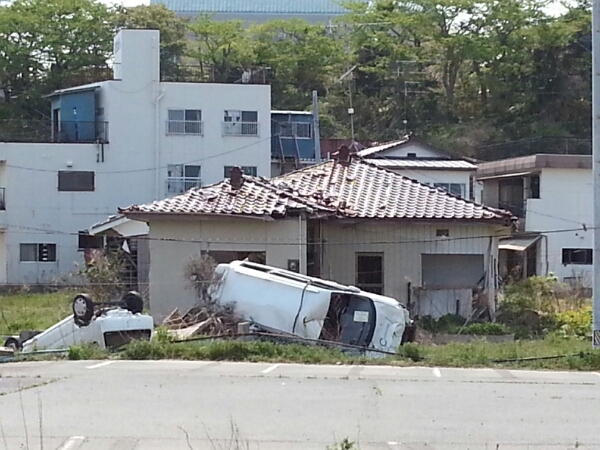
281 240
402 247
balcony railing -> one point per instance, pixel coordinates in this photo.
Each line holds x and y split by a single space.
192 127
39 131
240 128
179 185
206 73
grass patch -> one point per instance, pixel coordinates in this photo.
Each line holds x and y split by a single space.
33 311
476 354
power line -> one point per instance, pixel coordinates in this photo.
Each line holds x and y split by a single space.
42 231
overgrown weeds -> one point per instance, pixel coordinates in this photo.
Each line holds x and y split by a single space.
33 311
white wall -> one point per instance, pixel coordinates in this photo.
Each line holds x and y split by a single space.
281 240
566 202
133 169
413 147
213 151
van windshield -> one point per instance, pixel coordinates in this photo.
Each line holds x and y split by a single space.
350 320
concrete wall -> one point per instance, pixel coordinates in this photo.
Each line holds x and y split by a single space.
281 240
132 167
566 202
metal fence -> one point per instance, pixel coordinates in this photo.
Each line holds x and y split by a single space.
45 131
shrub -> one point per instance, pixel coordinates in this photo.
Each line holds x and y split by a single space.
576 323
485 328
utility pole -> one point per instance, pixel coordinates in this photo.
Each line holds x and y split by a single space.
596 165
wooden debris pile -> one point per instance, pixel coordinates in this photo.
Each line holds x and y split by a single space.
202 321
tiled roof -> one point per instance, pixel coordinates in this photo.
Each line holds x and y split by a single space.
435 164
255 6
354 190
255 197
364 190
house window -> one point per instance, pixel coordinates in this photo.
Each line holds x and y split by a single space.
442 233
86 241
185 121
38 252
240 123
534 186
369 272
181 178
73 181
247 170
286 129
457 189
411 155
583 256
300 130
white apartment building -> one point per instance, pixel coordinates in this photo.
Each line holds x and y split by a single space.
553 197
129 140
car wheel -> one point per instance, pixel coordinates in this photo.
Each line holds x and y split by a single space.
13 343
134 302
83 309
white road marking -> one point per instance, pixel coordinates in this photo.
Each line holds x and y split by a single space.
271 368
102 364
437 372
72 443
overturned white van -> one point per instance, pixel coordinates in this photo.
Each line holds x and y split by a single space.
282 301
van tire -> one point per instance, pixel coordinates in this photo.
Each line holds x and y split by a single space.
134 302
13 343
83 309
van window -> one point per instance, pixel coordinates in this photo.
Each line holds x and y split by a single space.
350 319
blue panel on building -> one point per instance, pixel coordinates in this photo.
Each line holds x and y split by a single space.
78 117
292 135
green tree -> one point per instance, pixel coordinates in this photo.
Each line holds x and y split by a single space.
302 57
222 49
173 43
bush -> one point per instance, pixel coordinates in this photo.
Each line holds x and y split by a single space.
576 324
88 351
452 324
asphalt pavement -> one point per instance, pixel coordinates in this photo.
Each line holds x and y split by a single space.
183 405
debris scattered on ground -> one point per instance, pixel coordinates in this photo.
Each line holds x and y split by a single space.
7 351
211 320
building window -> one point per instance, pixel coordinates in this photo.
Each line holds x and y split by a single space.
240 123
185 121
248 170
411 155
369 272
534 186
38 253
181 178
86 241
442 233
583 256
73 181
299 130
457 189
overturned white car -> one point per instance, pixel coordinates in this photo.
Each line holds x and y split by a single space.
105 324
283 301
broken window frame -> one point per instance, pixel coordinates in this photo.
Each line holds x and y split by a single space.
376 288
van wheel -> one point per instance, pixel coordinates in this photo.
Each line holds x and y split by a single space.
134 302
83 309
13 343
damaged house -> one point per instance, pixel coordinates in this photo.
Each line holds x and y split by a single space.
346 220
